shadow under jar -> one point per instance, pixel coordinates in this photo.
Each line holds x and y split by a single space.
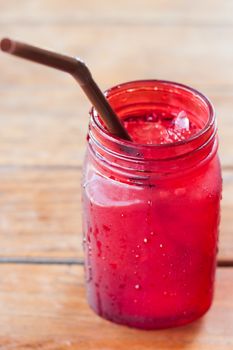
151 212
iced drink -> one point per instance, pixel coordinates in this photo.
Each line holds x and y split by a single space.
151 207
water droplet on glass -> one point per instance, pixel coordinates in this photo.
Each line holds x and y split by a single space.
145 240
152 233
89 248
137 286
137 256
161 246
89 274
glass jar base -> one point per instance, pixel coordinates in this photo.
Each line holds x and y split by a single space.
154 323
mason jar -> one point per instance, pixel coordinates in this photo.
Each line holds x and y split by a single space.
151 212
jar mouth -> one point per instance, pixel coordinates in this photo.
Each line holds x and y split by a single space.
115 90
145 96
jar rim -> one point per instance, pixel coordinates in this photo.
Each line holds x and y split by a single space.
121 142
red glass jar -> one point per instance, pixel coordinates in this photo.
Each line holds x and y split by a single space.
151 213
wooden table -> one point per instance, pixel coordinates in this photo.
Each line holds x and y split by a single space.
44 118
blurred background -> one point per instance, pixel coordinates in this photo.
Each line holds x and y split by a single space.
43 125
44 114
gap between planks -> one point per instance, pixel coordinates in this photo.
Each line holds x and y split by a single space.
41 261
70 261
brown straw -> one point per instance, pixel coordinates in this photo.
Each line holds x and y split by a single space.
79 71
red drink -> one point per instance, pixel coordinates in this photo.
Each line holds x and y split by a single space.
151 208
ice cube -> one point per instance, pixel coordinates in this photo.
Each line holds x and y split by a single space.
181 121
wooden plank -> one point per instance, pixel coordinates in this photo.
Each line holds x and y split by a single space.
43 116
44 307
198 56
38 131
40 213
226 237
49 129
122 11
224 105
43 112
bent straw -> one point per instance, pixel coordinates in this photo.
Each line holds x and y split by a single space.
79 71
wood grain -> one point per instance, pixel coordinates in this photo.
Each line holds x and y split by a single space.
44 115
45 308
40 213
147 12
197 56
50 128
43 118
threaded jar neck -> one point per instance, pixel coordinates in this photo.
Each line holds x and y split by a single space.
140 161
